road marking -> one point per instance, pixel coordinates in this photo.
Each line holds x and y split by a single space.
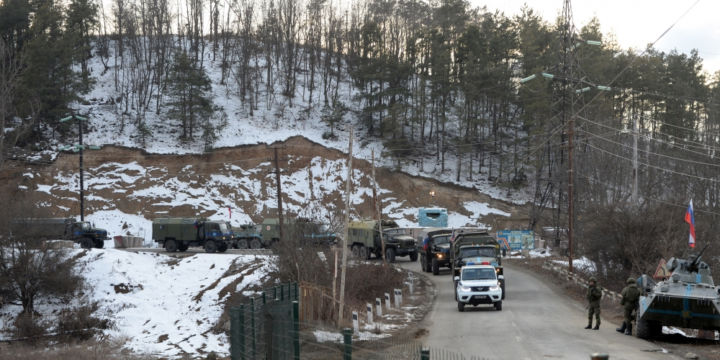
511 313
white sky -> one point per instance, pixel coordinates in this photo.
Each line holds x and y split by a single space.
637 23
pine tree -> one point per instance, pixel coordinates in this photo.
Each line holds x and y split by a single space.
189 88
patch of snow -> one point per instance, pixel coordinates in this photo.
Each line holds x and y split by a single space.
582 263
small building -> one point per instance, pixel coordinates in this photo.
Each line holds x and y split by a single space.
433 217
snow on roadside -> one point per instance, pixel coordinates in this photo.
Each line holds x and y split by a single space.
582 263
164 306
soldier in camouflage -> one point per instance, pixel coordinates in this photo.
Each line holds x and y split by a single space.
594 294
630 298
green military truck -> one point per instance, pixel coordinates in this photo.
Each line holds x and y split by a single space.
434 248
364 240
81 232
248 236
178 234
477 247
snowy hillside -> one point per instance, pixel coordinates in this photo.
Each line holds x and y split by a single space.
124 195
161 305
274 120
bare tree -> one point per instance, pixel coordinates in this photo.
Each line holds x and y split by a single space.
11 91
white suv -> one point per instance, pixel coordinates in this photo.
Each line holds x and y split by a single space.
478 284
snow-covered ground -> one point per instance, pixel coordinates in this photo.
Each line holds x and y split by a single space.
162 305
582 263
245 189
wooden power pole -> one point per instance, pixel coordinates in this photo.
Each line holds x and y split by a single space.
378 204
570 193
277 160
347 228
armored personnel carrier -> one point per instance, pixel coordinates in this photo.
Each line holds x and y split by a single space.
687 298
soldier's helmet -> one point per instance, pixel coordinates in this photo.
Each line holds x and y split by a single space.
631 281
593 279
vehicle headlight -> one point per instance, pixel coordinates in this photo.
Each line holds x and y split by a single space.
465 288
440 256
494 288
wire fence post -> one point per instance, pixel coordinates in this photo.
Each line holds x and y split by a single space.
425 354
241 317
296 329
347 335
252 324
234 333
282 292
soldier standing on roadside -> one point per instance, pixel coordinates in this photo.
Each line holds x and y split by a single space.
630 298
594 294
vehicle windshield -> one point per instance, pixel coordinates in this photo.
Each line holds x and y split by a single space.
395 231
444 239
85 225
478 274
477 252
223 226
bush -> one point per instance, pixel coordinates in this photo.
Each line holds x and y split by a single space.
80 324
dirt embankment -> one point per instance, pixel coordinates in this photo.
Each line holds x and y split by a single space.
132 181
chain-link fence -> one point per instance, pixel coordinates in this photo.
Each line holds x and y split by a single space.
268 326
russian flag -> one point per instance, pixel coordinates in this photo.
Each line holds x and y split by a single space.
690 218
425 243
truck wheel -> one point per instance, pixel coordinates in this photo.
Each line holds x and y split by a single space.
390 255
182 247
423 263
413 256
641 327
255 244
171 246
498 305
502 286
99 244
435 267
355 252
364 253
210 246
241 244
223 247
461 306
86 243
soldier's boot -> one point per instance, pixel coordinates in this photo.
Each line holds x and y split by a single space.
589 325
628 331
597 326
622 328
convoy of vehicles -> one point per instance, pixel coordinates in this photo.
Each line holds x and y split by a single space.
364 240
479 247
81 232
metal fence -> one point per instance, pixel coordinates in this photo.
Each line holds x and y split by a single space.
268 327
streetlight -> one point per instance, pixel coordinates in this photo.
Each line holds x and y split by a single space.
432 193
79 147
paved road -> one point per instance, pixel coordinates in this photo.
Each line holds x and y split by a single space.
536 323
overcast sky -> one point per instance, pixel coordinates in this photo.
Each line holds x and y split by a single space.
639 22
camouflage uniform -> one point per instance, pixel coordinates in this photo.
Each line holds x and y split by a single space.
630 298
594 294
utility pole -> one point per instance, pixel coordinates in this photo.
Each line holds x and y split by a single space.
635 161
377 206
347 228
79 147
570 193
277 160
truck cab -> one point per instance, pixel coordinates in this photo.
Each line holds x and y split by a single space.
434 247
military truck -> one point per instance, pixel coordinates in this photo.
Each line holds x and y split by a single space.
687 299
476 247
178 234
248 236
302 229
434 248
81 232
364 240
